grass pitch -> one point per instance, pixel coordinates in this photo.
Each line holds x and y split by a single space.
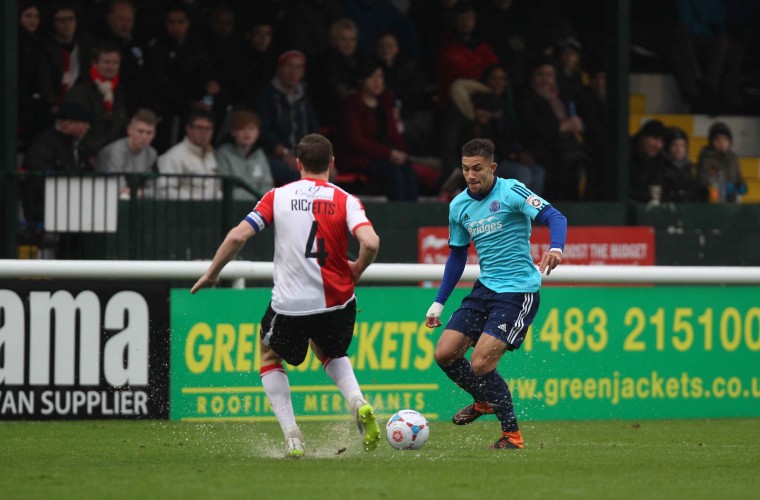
591 459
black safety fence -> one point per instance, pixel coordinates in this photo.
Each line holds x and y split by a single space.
127 216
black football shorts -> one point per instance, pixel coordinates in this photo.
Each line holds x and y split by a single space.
289 336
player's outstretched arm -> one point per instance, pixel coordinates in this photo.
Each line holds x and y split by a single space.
229 248
369 246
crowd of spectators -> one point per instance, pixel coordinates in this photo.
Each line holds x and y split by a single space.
214 87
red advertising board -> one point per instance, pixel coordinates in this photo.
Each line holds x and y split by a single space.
597 245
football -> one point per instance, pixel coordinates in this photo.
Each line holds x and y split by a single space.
407 430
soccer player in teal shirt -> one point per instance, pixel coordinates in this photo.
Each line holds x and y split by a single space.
495 214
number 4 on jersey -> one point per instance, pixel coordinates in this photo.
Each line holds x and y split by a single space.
321 253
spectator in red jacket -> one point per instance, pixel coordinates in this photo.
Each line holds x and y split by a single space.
371 143
462 54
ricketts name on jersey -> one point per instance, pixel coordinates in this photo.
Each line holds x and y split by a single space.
316 206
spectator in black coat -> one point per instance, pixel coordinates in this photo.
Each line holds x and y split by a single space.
181 68
133 70
333 76
592 109
65 56
552 133
56 149
304 25
33 113
648 163
681 183
226 52
287 115
259 63
414 99
104 96
570 75
503 25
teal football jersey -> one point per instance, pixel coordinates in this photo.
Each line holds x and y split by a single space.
499 225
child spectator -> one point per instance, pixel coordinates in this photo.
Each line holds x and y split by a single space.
244 158
679 181
677 149
718 167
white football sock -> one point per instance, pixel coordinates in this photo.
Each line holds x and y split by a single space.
277 389
341 372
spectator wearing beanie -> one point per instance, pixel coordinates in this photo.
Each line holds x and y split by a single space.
679 181
287 114
648 162
59 148
718 167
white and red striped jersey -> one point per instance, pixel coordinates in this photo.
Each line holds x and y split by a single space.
312 218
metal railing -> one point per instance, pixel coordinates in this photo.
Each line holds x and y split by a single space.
127 216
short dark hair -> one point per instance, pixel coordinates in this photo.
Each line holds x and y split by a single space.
200 114
113 3
479 147
105 47
315 152
145 115
177 6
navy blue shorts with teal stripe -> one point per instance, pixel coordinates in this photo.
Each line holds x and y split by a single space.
505 316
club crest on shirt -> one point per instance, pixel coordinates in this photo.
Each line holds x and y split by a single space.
534 201
494 207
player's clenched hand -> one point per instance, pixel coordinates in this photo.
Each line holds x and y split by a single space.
433 316
204 282
549 261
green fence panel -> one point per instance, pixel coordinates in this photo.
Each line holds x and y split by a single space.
592 353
